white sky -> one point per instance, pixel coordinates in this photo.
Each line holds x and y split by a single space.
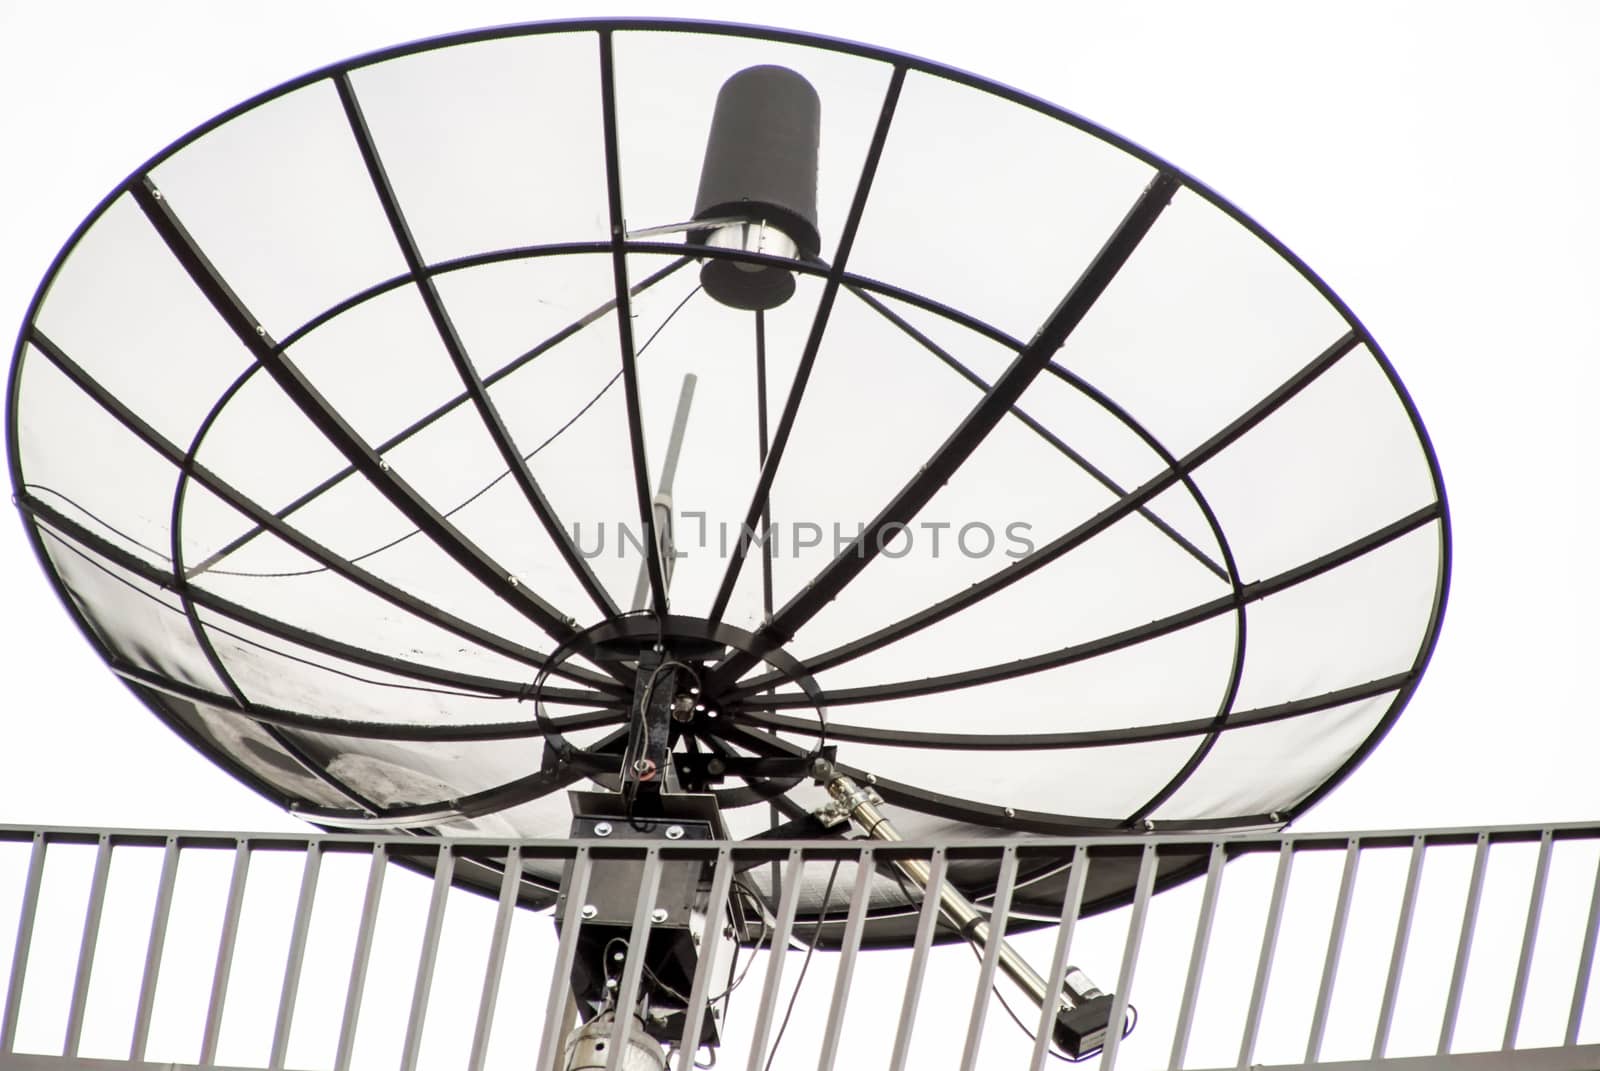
1433 162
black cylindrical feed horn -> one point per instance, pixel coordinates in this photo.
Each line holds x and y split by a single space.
760 172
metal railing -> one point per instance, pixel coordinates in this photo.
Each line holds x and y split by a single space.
1435 948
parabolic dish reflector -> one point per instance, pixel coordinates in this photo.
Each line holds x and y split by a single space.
1059 497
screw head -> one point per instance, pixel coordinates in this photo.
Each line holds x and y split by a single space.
602 829
1149 825
658 915
674 832
589 911
1011 812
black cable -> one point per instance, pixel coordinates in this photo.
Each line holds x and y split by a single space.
1051 1048
99 564
751 896
637 735
479 493
101 521
650 975
822 914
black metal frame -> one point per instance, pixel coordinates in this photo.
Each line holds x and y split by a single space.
304 394
487 411
630 373
999 400
1251 592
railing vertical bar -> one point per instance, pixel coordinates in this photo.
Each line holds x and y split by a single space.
355 991
86 946
1197 957
225 943
1469 924
551 1038
927 918
1397 957
154 948
1330 959
1143 888
19 956
510 881
1269 947
849 944
443 869
633 969
1530 936
991 956
1071 903
1580 984
782 926
716 909
289 995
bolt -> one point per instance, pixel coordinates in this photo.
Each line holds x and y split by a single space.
645 768
513 581
658 915
872 779
157 195
674 832
602 829
1011 812
617 957
589 911
1149 825
383 466
1276 817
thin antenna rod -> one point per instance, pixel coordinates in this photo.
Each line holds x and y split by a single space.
662 503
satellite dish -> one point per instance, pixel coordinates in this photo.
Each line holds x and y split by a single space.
952 444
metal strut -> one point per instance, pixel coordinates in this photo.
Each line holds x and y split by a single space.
1084 1014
